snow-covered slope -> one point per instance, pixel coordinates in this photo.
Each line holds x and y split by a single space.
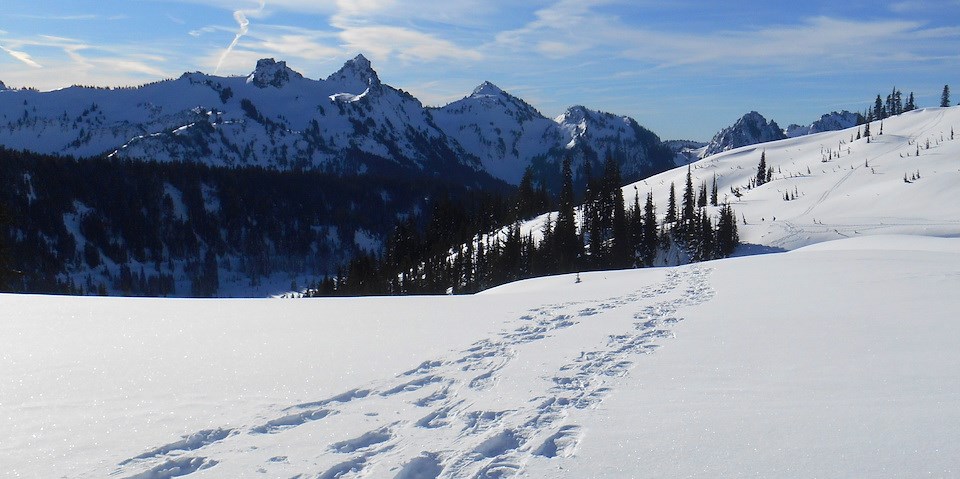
839 360
502 130
838 186
273 118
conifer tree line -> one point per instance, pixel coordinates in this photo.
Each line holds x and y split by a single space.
895 104
458 252
99 226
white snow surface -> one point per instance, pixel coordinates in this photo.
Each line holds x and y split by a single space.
838 360
843 188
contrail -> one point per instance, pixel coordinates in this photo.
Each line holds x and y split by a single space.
23 57
241 17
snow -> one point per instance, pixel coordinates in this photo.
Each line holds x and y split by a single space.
843 188
836 358
804 364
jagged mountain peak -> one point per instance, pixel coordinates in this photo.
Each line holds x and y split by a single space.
487 89
574 114
2 86
835 120
356 75
270 72
751 128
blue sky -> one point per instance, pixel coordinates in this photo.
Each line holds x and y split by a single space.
684 68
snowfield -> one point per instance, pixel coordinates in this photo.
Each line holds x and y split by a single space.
836 358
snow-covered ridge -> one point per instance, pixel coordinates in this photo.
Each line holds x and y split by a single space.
753 128
274 117
831 185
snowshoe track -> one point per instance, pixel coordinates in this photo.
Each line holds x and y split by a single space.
489 444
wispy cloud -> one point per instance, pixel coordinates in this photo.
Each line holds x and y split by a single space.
21 56
366 26
557 31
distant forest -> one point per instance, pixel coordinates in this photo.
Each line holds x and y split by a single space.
132 227
108 226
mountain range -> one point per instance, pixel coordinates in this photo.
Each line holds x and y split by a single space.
348 123
753 128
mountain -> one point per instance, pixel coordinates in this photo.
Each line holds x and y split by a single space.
591 135
753 128
836 120
273 118
750 129
348 123
502 130
509 135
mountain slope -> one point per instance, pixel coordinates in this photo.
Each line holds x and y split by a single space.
839 186
502 130
509 136
786 365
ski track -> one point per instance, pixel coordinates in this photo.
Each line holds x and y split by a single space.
491 444
791 232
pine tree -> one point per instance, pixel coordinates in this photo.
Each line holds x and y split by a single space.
945 96
713 191
620 233
650 242
702 196
727 238
6 267
879 112
705 244
762 169
671 205
910 106
688 213
567 241
526 196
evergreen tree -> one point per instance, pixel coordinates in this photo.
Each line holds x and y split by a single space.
671 216
688 212
705 241
713 191
727 238
910 106
650 240
566 239
702 196
945 96
762 169
526 196
879 112
6 267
